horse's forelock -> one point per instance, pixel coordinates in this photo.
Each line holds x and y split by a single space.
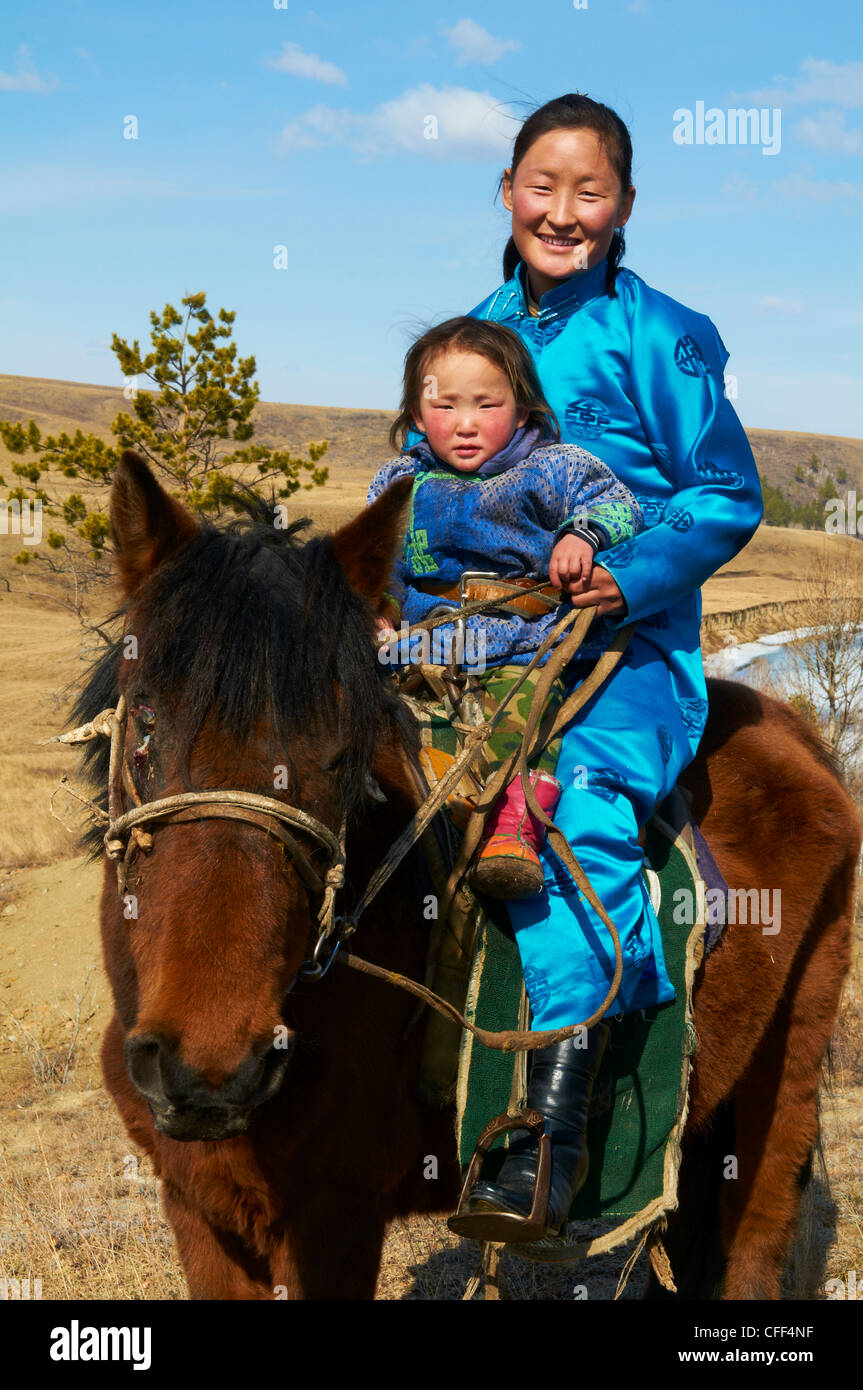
246 624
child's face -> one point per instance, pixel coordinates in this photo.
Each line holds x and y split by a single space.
566 202
468 409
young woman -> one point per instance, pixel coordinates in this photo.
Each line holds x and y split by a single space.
638 379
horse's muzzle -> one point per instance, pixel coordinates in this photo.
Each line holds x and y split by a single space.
194 1124
187 1108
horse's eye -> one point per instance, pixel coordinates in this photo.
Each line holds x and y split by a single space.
144 715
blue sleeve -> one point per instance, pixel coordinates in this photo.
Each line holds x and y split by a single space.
386 474
678 390
599 507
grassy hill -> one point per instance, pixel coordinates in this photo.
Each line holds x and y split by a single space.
358 437
767 571
779 452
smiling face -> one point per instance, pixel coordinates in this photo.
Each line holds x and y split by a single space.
468 410
566 203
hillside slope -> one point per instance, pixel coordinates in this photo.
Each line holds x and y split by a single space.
358 437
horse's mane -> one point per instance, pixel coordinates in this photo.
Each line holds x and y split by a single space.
248 622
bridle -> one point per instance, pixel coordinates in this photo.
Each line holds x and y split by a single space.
126 832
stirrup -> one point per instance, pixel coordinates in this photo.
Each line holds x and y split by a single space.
502 1225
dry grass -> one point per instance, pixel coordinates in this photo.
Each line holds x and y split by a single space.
770 570
80 1212
38 657
77 1209
53 1038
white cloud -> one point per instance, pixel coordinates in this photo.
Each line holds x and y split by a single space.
818 81
441 123
827 132
292 59
314 18
475 44
26 79
775 304
738 186
803 190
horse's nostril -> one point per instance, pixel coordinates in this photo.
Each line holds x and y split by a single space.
273 1067
143 1053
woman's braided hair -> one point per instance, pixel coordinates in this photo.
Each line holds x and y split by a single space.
575 111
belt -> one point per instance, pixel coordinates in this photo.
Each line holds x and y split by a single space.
534 605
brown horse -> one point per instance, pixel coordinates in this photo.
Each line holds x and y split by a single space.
253 668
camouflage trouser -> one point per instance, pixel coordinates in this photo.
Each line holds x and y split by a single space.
440 743
496 683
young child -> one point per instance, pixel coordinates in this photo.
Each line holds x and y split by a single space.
639 377
495 491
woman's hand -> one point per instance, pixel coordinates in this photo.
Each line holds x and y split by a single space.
603 591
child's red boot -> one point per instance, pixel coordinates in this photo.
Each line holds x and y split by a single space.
507 864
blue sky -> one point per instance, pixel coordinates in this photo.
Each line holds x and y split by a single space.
261 126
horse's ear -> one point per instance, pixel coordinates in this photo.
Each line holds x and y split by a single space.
147 525
367 546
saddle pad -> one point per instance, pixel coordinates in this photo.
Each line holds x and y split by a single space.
641 1094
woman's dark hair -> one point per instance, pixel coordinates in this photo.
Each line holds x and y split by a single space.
499 345
577 112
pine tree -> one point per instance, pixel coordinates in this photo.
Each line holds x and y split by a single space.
200 396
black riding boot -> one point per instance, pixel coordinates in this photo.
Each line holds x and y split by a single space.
560 1085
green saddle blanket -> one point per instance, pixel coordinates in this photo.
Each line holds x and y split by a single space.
641 1094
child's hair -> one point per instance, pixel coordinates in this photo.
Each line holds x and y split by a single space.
499 345
575 111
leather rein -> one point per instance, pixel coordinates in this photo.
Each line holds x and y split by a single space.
126 833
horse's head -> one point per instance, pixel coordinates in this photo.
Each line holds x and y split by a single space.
247 663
